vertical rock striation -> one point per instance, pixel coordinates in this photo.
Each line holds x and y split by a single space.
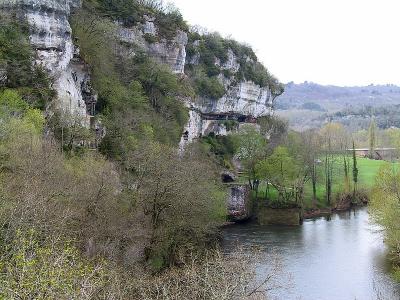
144 37
51 37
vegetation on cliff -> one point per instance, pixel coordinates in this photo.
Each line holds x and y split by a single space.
134 220
16 57
208 54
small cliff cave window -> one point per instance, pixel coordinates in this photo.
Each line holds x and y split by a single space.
186 135
227 177
241 119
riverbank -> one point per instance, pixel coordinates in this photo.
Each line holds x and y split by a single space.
367 171
344 202
342 257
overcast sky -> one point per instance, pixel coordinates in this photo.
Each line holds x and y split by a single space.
342 42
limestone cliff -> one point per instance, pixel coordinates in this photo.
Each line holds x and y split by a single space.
244 99
144 37
244 90
51 37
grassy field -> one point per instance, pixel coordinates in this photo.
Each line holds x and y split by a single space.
366 176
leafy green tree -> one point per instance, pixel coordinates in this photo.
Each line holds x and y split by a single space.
281 171
252 148
333 140
178 197
305 148
11 103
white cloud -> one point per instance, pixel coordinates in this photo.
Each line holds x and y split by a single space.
344 42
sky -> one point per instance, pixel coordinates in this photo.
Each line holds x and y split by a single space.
339 42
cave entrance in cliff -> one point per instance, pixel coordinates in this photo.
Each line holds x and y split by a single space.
186 135
241 119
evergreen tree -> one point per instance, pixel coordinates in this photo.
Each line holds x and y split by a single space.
355 171
372 138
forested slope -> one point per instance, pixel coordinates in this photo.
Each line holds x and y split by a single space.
95 198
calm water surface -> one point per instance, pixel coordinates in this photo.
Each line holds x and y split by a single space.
343 258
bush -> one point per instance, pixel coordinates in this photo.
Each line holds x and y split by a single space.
150 38
167 19
209 87
223 147
48 271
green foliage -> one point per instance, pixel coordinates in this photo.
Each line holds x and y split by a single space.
138 97
223 147
150 38
230 124
282 171
178 197
16 52
355 168
385 210
16 55
209 87
252 148
213 46
11 103
28 267
168 19
213 50
252 144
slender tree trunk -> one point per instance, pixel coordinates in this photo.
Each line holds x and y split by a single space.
314 184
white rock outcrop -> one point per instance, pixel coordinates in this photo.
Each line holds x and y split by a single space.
247 99
171 53
51 37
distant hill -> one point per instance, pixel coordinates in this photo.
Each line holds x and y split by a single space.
309 104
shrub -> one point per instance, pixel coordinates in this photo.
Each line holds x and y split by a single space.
209 87
48 271
150 38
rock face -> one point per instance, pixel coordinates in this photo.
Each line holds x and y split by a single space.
50 35
144 36
239 204
244 101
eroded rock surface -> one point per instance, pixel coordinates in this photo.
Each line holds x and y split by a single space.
144 36
51 37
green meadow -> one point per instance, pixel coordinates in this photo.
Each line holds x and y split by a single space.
367 171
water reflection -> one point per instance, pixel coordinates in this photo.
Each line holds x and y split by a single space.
342 257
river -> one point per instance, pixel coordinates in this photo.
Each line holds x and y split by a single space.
343 258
